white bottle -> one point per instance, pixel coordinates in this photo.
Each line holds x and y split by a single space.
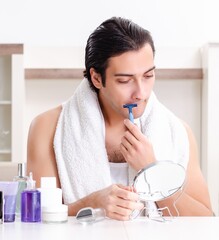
53 211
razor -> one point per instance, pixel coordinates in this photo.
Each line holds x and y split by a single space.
130 106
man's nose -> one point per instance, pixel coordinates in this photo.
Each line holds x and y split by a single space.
139 90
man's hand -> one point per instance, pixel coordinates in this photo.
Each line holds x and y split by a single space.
135 147
119 201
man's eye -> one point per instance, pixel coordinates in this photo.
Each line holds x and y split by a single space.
149 76
123 81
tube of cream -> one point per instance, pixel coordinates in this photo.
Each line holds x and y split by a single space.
10 190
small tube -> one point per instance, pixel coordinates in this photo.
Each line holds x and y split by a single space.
10 190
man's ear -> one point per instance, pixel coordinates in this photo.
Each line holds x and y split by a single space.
96 78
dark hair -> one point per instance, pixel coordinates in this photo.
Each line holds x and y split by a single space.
112 38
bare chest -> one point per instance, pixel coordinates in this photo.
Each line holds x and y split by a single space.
113 141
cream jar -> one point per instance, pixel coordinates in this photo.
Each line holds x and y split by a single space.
55 214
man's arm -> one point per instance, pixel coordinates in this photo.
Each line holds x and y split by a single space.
195 200
117 200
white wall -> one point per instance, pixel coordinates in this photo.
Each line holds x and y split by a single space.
69 22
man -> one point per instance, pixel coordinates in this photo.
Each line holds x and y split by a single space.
91 147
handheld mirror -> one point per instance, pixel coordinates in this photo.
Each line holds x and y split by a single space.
159 180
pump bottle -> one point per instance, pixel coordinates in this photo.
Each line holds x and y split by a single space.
31 202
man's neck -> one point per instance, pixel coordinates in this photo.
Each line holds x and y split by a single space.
111 117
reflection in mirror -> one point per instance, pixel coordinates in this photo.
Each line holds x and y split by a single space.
159 180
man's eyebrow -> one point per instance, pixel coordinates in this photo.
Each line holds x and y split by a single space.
150 69
130 75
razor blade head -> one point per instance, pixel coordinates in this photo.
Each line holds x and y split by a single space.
131 105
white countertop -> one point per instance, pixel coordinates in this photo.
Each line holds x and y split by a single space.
141 228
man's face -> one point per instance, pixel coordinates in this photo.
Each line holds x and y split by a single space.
129 79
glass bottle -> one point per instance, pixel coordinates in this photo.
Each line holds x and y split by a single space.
22 179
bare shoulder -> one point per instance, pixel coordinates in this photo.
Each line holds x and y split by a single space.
42 129
46 121
40 153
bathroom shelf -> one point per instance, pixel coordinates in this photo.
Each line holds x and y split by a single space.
6 151
11 103
5 102
77 73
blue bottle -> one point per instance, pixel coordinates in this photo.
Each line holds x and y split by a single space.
31 203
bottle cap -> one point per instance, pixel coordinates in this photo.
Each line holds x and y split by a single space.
21 169
50 194
48 182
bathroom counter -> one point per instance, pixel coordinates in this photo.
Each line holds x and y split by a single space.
142 228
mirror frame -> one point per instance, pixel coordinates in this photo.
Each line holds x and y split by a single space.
161 196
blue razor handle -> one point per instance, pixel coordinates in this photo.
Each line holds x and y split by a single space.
130 106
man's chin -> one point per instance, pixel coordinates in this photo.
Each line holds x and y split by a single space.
138 113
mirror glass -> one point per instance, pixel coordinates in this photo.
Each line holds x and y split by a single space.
159 180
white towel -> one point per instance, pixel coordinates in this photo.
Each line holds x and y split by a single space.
79 142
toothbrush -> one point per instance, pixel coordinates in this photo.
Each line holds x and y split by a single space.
130 106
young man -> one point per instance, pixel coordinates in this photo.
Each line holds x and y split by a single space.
91 146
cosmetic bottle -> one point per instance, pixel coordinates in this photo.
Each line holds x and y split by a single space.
9 190
53 211
1 207
31 202
22 179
